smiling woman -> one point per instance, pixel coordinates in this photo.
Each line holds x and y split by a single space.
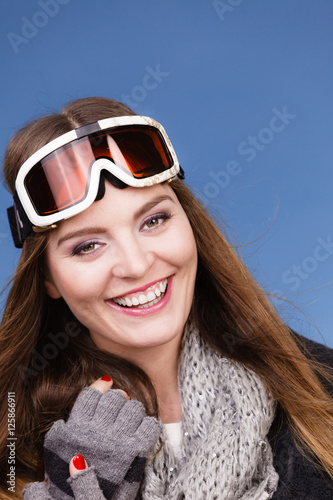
136 250
173 337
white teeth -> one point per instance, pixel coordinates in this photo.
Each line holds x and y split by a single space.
143 301
151 296
163 285
144 306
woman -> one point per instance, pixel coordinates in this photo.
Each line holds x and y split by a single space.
127 276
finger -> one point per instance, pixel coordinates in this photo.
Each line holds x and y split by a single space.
130 417
77 464
148 433
85 405
87 401
103 388
83 481
103 383
36 490
108 408
123 392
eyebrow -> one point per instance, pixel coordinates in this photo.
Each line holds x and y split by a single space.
95 229
151 204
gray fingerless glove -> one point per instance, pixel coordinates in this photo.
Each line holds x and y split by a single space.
113 435
84 485
36 491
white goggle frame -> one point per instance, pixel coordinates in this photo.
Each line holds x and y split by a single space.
100 164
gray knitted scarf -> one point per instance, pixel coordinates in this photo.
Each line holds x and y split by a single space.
226 416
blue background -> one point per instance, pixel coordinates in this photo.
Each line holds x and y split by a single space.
214 73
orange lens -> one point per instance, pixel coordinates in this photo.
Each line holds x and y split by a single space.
139 151
62 178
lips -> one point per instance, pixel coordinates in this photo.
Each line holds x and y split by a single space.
143 299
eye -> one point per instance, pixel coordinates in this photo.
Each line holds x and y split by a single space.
155 220
85 248
152 222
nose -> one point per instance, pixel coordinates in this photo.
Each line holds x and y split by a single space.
131 258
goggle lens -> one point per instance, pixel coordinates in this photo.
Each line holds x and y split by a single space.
62 178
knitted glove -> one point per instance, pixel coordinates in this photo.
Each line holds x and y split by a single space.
84 485
113 435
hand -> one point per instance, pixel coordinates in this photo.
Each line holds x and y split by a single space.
82 479
114 436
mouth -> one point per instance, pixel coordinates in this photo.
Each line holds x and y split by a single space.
143 299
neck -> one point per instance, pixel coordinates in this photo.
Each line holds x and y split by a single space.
161 366
160 363
165 381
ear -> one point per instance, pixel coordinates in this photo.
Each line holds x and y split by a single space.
51 289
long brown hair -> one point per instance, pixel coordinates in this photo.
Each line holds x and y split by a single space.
46 356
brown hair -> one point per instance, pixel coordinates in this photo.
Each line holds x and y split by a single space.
46 356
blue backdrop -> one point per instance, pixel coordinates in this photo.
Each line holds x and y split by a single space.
244 90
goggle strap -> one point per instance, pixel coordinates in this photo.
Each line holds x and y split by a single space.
87 130
181 173
19 223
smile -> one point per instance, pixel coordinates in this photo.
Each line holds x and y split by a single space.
145 298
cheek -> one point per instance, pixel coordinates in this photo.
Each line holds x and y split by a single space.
78 283
184 247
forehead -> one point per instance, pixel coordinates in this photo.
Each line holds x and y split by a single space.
119 204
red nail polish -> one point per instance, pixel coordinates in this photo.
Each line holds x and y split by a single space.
106 378
79 463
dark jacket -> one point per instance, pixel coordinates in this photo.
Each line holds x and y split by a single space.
299 478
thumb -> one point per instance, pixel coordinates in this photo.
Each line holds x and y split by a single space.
83 480
77 464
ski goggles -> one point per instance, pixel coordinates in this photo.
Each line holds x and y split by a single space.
63 178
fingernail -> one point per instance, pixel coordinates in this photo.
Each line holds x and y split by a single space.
106 378
79 463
